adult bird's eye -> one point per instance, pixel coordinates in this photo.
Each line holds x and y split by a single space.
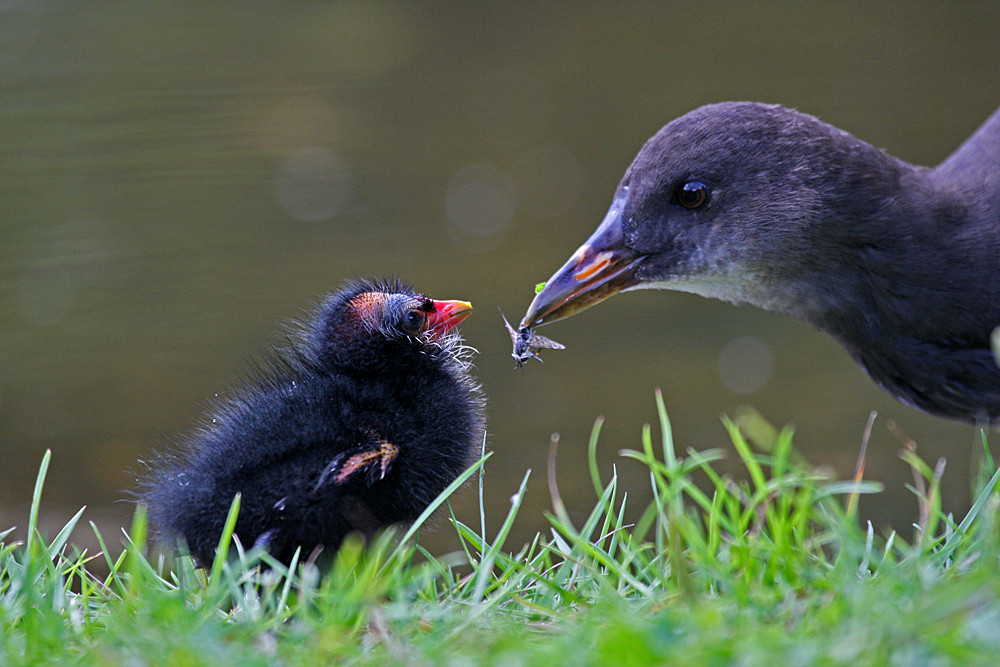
412 320
692 194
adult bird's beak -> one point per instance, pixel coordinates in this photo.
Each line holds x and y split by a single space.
446 315
600 268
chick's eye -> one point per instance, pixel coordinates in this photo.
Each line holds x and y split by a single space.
692 194
412 320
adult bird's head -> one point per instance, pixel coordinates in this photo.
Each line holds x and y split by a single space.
722 202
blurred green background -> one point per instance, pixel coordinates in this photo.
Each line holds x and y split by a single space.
178 178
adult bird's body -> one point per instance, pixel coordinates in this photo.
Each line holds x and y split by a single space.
360 426
764 205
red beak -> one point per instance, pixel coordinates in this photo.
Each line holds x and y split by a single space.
446 315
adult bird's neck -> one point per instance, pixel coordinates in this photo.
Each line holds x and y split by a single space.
977 161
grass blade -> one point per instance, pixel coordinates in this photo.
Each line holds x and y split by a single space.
36 501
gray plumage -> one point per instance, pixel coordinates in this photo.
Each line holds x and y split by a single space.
899 263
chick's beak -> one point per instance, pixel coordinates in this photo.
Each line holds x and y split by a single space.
600 268
446 315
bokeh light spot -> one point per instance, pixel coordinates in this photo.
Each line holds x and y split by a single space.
746 365
480 203
313 184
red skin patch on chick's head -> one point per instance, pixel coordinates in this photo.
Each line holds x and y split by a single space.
367 309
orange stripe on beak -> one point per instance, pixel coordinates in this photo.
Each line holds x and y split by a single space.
594 267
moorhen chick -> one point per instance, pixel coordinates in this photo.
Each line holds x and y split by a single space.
768 206
359 426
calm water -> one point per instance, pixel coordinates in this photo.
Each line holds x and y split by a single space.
177 178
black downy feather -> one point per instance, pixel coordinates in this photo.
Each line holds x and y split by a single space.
354 427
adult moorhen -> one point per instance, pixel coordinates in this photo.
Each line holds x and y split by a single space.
360 426
765 205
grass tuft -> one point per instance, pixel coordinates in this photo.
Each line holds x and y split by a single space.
769 567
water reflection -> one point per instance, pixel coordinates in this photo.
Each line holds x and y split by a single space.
745 365
155 176
511 107
313 184
549 179
480 204
44 294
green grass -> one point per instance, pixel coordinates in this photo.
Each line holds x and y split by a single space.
774 570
